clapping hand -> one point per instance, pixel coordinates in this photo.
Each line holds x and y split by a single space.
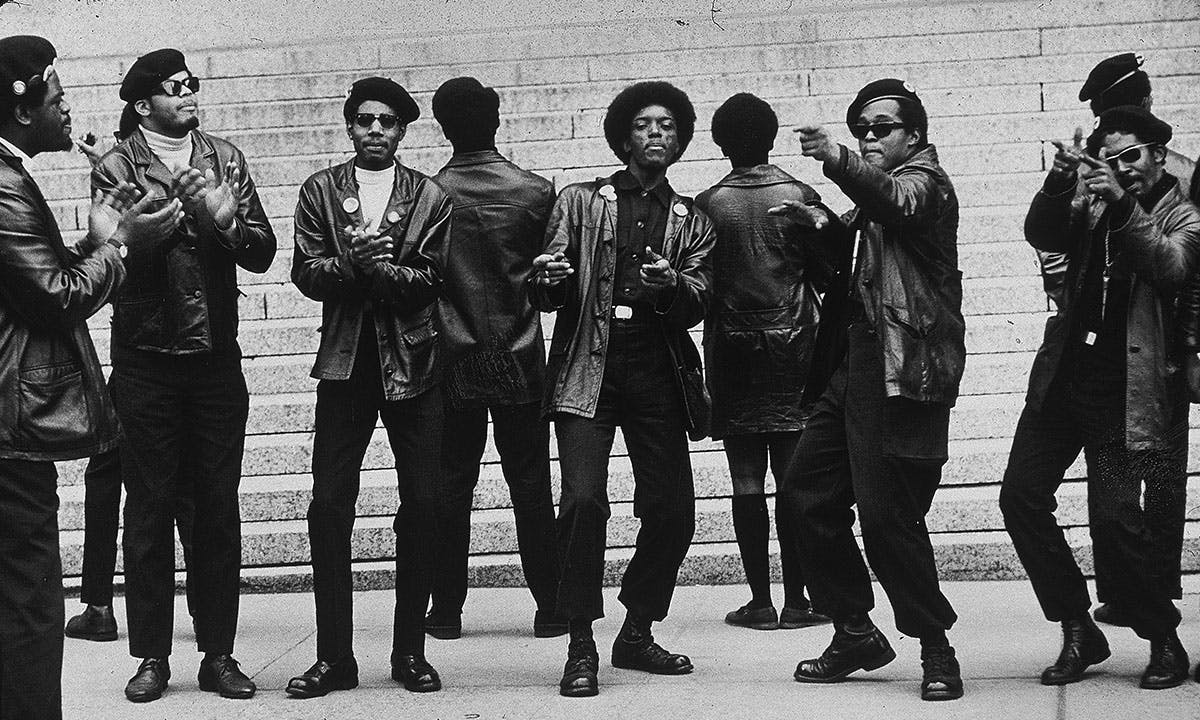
122 215
368 247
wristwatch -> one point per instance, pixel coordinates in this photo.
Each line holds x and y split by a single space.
122 250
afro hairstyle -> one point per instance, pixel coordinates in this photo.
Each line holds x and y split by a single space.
618 121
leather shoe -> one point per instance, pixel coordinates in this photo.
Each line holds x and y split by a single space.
1083 645
548 625
792 618
579 674
221 674
95 623
846 653
648 656
757 618
443 626
1111 614
941 678
323 678
1168 666
150 680
415 673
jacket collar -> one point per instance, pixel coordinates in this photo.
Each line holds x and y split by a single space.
926 157
624 181
141 154
756 176
477 157
12 154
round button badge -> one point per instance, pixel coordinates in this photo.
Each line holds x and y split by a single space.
350 204
679 210
393 216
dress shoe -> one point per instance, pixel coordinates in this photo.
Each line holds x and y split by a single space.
646 655
846 653
96 623
150 680
443 626
1111 614
798 617
579 674
415 673
323 678
762 617
221 674
1083 645
548 625
1168 666
940 677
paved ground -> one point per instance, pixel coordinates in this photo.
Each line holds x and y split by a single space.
498 670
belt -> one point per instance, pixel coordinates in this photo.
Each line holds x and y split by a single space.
630 314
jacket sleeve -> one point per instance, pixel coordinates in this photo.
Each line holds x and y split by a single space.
1048 224
562 228
251 239
45 286
693 291
883 197
417 282
1165 255
321 268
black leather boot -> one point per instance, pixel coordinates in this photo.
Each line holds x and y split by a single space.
579 674
635 649
1168 666
1083 645
847 652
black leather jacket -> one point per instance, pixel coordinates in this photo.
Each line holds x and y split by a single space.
761 328
181 294
491 333
53 403
402 294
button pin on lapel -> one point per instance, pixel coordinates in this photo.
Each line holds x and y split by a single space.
393 216
350 204
679 210
608 192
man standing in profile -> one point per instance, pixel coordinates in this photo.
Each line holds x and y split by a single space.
177 378
495 358
370 234
626 268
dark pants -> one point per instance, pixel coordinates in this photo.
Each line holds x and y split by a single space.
185 427
523 441
1046 442
639 394
347 411
884 455
31 593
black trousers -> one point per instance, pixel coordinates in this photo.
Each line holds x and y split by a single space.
347 411
639 394
1046 442
884 455
185 427
31 592
523 440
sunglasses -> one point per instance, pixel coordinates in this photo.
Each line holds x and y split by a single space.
880 129
366 120
174 88
1128 156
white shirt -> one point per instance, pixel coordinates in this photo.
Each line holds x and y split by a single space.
25 159
374 191
175 153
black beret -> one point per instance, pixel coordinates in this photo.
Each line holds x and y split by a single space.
25 61
148 72
465 99
884 89
1108 73
618 121
745 121
1132 119
384 90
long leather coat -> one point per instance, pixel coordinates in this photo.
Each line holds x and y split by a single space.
491 333
181 294
1159 252
908 276
583 225
53 403
402 293
761 329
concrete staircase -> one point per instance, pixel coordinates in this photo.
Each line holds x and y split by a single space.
998 79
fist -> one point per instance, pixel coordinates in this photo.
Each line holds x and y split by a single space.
552 269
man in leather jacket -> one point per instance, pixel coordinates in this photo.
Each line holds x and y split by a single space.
370 235
626 268
1107 381
494 352
878 436
177 379
53 404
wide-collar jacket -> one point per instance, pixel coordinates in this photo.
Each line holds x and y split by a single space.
53 402
761 329
181 294
491 333
402 294
1159 252
583 225
908 276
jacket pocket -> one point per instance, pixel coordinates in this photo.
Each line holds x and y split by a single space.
419 335
917 325
53 407
140 321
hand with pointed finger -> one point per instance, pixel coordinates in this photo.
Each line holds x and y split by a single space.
552 269
657 271
1101 180
223 196
1067 159
189 186
816 143
812 216
368 248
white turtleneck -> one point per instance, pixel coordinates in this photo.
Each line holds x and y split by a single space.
175 153
374 191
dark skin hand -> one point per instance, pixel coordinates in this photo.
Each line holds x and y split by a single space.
368 248
552 269
657 272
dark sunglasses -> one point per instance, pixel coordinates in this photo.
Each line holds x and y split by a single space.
880 129
174 88
366 120
1128 156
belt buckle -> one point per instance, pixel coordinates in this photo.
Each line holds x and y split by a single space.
622 312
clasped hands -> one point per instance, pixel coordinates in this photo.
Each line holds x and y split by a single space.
367 248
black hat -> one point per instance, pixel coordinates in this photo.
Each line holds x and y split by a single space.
148 72
1132 119
383 90
884 89
26 62
465 98
1109 73
745 122
619 119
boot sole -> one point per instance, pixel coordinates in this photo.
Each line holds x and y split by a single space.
807 623
683 670
874 664
301 693
444 633
1101 657
94 637
755 625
